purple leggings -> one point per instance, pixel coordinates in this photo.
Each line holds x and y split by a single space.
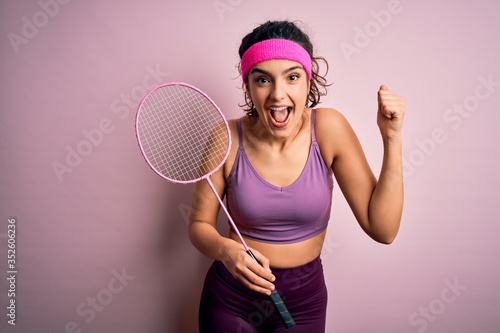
227 306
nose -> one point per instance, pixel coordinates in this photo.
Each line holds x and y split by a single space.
278 91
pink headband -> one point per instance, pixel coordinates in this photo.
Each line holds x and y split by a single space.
275 49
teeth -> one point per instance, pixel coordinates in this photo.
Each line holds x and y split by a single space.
283 108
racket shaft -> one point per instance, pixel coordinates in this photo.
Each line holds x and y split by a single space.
275 296
228 215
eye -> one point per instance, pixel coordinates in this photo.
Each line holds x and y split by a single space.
261 80
294 77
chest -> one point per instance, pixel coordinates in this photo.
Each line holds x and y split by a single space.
279 168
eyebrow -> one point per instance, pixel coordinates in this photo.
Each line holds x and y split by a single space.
258 70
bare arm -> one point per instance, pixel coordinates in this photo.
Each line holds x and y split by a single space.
376 204
386 205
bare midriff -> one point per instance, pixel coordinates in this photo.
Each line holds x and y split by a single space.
287 255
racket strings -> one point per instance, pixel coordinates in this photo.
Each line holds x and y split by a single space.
182 133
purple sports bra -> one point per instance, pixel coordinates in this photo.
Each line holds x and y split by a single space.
281 215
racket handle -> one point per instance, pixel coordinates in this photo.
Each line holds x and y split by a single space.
277 301
283 311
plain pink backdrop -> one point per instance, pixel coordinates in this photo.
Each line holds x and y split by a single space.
101 240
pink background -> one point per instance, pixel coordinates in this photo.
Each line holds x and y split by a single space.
88 208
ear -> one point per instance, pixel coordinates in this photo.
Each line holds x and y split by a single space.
308 91
246 90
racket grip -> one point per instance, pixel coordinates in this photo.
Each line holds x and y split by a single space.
277 301
283 311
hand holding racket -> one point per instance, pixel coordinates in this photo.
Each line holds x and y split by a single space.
185 138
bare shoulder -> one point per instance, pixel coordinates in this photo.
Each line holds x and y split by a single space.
232 126
330 124
332 130
327 117
234 146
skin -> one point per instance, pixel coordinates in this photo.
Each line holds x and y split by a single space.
279 155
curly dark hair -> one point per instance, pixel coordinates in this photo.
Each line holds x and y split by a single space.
285 30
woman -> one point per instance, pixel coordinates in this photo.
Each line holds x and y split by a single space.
278 182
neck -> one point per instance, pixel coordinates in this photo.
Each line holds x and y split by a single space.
272 139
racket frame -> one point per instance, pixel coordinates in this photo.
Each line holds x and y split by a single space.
223 118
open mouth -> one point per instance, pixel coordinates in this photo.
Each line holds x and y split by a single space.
279 115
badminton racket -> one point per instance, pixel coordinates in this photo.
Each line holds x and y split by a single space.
185 138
